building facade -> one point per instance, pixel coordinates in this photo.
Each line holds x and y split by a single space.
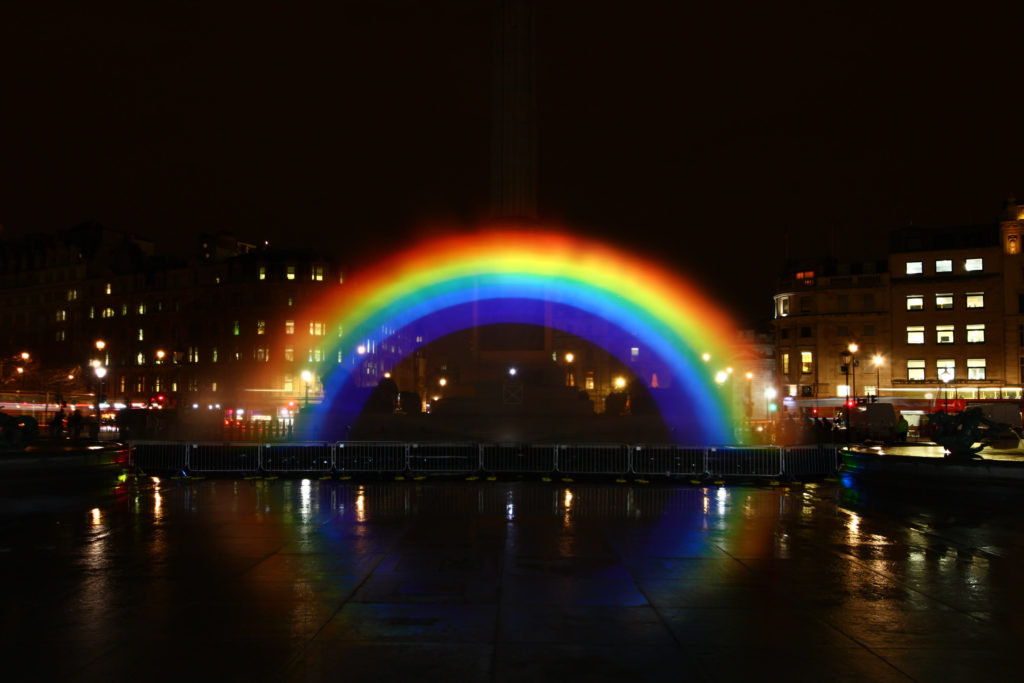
938 320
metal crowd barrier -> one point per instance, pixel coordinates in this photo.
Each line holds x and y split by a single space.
383 457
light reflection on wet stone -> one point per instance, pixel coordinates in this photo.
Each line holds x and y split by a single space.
300 578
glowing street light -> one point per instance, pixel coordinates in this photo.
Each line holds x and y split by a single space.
442 381
100 344
512 372
721 376
160 356
620 382
25 356
945 376
569 357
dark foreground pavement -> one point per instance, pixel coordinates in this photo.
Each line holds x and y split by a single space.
525 581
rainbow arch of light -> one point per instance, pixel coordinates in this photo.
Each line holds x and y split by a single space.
446 284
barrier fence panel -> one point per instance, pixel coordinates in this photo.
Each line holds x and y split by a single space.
297 457
669 460
804 461
152 457
370 456
444 457
611 458
224 457
740 461
517 457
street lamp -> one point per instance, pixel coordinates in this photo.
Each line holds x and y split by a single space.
852 348
100 373
945 376
877 360
307 377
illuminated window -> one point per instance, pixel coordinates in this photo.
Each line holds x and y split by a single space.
289 353
783 306
589 382
914 267
263 272
943 334
806 362
62 315
140 334
785 364
215 355
61 335
291 301
945 368
124 309
107 313
317 273
92 312
156 384
193 354
973 264
944 266
289 383
316 328
72 295
975 368
289 327
236 328
108 288
976 334
341 331
141 309
806 277
915 334
943 301
915 302
140 358
915 369
213 387
290 272
261 354
339 356
261 327
975 300
634 352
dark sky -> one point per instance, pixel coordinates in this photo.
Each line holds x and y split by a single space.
700 135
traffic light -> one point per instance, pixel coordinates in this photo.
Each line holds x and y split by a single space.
772 407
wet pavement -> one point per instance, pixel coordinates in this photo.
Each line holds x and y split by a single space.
501 581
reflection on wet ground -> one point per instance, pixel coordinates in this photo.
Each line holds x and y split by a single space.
300 579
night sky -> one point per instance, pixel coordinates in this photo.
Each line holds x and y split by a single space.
701 136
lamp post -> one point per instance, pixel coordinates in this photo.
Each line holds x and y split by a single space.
945 376
100 373
307 377
852 348
877 360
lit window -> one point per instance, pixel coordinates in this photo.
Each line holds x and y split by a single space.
634 352
806 362
61 335
140 358
108 288
193 354
317 355
915 369
976 334
141 309
973 264
289 353
842 390
943 334
263 272
261 354
107 313
785 364
945 368
140 335
317 273
213 387
215 355
92 312
339 356
62 315
783 306
806 277
915 334
915 302
72 295
289 327
289 383
975 300
124 309
261 327
943 301
914 267
975 368
316 328
944 266
291 301
236 328
589 383
290 273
